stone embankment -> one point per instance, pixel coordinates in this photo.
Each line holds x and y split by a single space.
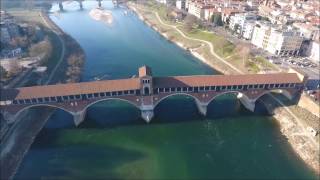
304 143
306 103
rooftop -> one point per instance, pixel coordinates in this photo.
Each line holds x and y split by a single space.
134 84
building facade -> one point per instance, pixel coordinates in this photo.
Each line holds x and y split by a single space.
277 41
314 51
181 4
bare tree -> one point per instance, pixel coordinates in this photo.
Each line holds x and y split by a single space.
189 22
41 49
243 51
14 67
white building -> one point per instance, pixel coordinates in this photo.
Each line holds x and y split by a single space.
248 29
208 13
244 22
282 42
201 10
314 51
162 1
181 4
195 9
241 19
307 31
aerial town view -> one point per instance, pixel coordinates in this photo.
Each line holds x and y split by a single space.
160 89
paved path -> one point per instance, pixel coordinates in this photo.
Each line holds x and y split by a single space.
58 33
203 41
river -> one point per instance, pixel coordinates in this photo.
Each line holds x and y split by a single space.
114 142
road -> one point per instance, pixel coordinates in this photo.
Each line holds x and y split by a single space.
313 73
59 34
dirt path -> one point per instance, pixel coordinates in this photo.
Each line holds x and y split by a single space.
202 41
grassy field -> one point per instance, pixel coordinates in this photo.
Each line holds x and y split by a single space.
27 16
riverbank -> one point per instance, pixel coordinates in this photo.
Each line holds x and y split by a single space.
304 144
65 65
190 46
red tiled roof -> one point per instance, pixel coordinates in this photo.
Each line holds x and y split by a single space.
134 83
221 80
78 88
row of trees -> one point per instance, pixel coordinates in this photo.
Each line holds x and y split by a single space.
41 49
191 21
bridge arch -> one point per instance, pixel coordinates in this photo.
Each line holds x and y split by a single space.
110 99
120 120
177 94
17 114
250 103
228 92
284 92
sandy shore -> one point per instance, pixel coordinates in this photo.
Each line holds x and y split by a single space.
101 15
300 144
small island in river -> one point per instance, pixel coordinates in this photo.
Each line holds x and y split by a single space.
100 14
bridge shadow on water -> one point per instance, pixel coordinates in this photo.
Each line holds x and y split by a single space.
182 108
175 109
179 108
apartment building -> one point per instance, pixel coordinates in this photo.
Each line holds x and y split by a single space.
308 31
243 24
248 29
241 19
315 51
181 4
196 8
281 42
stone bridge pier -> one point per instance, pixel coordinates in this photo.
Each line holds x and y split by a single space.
99 3
80 4
79 116
60 6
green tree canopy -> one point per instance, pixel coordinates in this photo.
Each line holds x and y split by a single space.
217 19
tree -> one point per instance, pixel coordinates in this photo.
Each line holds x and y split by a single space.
14 68
170 13
3 73
75 64
189 22
235 28
217 19
41 49
244 52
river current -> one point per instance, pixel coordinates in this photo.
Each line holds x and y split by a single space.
114 142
